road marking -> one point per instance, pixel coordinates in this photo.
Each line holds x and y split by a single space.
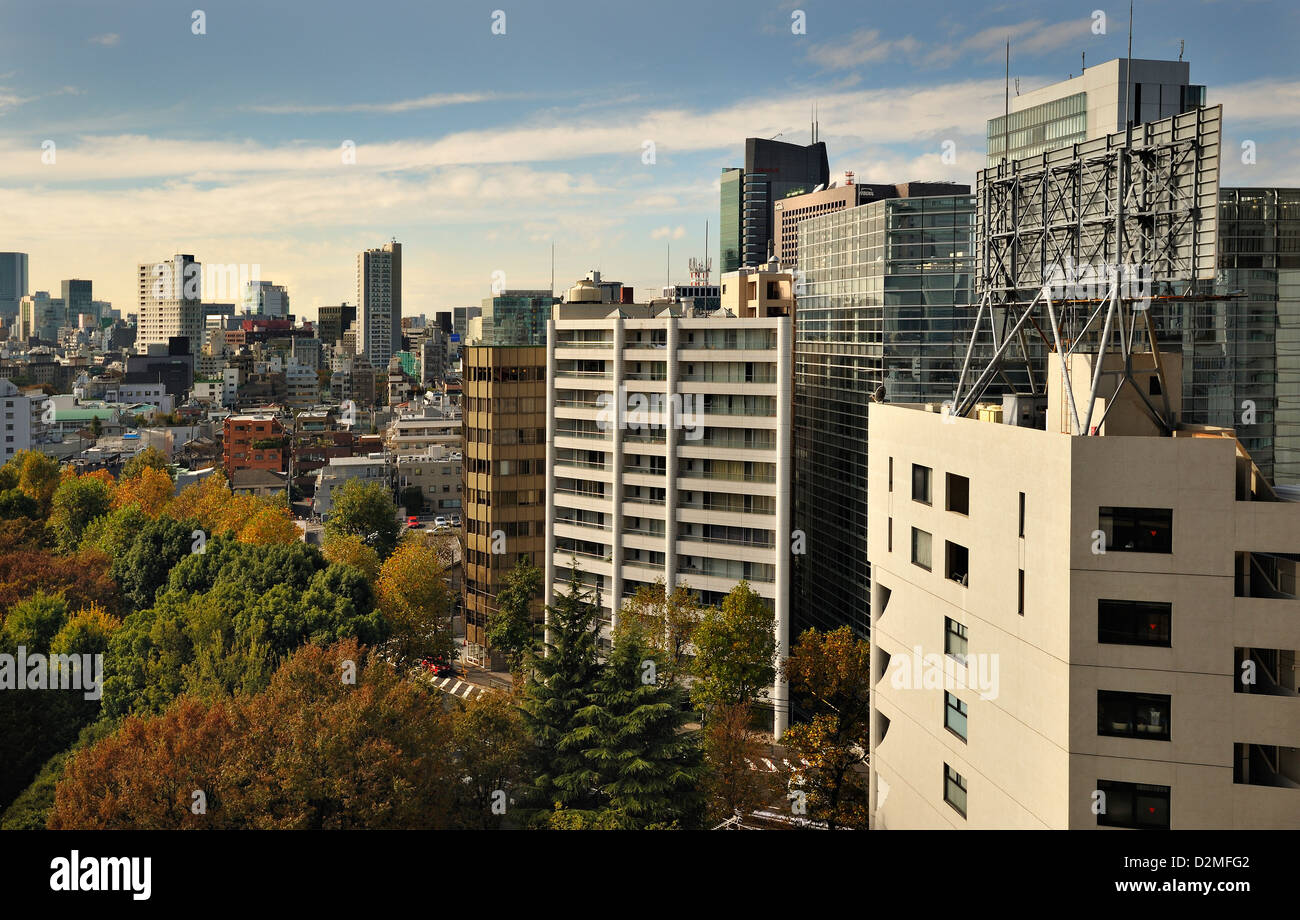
771 767
455 689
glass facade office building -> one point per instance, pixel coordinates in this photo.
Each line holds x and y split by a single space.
517 318
1039 129
887 284
729 242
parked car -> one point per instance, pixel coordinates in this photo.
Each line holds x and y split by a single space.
455 520
412 521
438 667
440 522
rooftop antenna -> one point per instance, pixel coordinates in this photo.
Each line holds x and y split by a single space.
1180 49
1006 105
1083 62
552 271
1128 66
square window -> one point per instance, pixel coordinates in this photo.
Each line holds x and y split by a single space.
958 493
954 789
1137 530
1134 622
1133 715
954 639
920 483
956 563
954 715
921 548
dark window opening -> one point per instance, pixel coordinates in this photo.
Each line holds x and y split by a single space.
1134 622
958 490
1137 530
1133 715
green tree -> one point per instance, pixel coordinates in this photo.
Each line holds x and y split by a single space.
36 475
735 650
491 744
648 771
562 685
510 628
416 601
15 503
151 458
667 620
830 677
77 501
367 510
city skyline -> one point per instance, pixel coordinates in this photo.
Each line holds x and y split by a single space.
481 157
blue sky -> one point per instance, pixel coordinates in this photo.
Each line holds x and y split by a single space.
478 151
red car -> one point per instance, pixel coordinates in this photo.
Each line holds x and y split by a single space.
437 667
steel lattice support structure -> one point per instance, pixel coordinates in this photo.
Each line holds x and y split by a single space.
1082 238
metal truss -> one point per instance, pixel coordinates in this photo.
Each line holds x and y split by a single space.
1143 202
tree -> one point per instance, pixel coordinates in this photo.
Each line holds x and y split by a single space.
150 489
562 685
80 579
732 746
350 549
735 650
491 744
37 476
667 620
647 770
510 628
367 510
830 676
77 501
338 740
151 458
96 428
15 503
416 601
269 525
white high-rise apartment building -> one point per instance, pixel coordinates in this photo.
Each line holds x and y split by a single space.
379 303
262 298
16 412
1080 632
170 299
668 457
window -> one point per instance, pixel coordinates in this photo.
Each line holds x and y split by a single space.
891 474
954 789
1022 514
1133 715
1020 594
954 639
889 535
954 715
921 548
956 562
920 483
1134 623
1135 805
958 493
1137 530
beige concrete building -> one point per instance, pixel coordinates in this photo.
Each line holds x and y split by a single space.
763 292
668 456
1079 632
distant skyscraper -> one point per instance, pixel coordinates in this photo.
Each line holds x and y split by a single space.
13 283
77 300
263 298
332 322
773 170
171 296
379 302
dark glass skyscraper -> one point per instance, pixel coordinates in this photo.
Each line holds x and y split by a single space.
773 170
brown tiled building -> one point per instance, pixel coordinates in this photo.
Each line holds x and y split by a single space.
253 442
504 406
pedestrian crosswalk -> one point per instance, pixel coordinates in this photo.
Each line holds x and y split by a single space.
459 688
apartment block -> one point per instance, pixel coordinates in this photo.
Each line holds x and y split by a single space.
253 442
1079 632
668 457
170 302
504 403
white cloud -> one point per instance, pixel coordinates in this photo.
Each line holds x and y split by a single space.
432 101
668 233
108 39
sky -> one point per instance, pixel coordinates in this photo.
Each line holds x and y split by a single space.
485 133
